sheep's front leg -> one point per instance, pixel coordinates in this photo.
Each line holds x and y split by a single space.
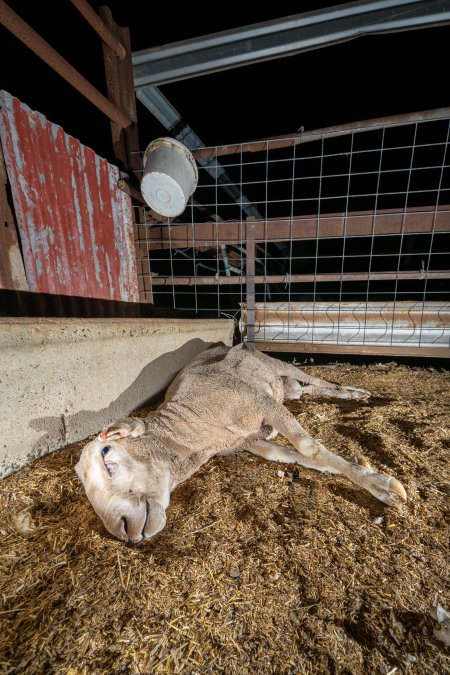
385 488
129 426
281 453
314 455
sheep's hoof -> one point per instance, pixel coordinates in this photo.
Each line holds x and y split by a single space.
387 489
357 394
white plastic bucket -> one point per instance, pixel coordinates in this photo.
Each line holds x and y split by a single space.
170 176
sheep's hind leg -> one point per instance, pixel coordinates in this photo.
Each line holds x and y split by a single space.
316 456
336 391
317 386
294 390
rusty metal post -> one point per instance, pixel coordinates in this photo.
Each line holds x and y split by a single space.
250 282
120 85
119 82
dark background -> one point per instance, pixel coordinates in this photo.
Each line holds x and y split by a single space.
363 78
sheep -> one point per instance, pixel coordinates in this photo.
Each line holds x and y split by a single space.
226 400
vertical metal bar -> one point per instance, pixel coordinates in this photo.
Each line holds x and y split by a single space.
345 232
149 286
171 263
216 225
194 263
402 232
265 238
433 228
316 260
241 237
250 279
291 243
372 241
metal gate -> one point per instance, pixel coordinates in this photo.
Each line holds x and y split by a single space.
347 229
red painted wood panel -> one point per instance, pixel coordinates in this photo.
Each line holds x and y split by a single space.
76 226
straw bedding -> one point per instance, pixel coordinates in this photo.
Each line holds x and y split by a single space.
262 567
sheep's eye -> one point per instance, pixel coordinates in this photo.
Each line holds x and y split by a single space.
105 450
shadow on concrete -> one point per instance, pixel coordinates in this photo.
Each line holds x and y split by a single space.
147 388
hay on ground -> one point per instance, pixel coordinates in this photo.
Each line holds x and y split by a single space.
262 567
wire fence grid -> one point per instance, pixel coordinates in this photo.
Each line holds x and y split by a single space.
351 241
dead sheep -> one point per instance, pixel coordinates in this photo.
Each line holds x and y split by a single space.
224 401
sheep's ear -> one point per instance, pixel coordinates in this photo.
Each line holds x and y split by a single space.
128 427
156 519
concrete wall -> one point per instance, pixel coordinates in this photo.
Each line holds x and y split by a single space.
62 380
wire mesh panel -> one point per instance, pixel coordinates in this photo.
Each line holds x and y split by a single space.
350 239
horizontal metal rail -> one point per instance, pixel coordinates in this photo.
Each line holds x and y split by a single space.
298 278
356 327
283 37
363 350
100 27
413 220
52 58
288 140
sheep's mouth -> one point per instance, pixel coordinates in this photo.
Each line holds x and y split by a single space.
147 514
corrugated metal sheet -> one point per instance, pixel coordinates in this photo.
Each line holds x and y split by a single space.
76 226
392 324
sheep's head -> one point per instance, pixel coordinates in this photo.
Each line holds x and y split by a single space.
127 493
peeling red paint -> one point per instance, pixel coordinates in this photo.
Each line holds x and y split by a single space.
75 224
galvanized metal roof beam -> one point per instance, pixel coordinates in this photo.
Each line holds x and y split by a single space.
283 37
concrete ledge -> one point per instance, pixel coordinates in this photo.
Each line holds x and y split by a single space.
62 380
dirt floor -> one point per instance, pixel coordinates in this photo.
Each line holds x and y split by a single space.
262 567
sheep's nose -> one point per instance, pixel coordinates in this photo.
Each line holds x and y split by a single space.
123 529
126 531
137 539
